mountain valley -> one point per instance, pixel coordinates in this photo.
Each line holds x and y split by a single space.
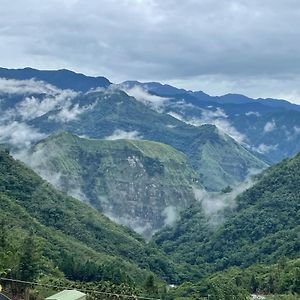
147 190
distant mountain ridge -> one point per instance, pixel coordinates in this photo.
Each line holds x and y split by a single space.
263 125
63 79
66 79
170 91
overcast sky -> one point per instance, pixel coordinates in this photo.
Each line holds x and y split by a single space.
218 46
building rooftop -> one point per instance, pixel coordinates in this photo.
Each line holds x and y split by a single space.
67 295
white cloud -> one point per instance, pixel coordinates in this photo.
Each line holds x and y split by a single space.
19 134
226 127
171 215
155 102
32 106
252 113
12 86
214 203
270 126
71 112
216 117
177 116
170 126
50 99
211 114
40 162
297 129
219 119
263 148
119 134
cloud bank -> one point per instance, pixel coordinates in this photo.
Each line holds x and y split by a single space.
214 204
120 134
270 126
26 100
216 117
19 134
155 102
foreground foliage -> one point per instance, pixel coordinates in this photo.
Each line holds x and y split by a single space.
281 280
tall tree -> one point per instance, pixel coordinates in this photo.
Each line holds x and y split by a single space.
30 260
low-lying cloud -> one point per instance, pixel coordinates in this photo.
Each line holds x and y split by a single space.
33 100
270 126
120 134
213 204
297 129
40 162
71 112
39 99
217 117
171 215
155 102
252 113
19 134
263 148
23 87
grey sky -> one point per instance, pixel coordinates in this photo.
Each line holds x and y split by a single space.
218 46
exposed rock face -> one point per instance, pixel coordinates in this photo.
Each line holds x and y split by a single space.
140 184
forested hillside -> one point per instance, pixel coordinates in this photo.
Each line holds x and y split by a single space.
271 281
82 243
262 226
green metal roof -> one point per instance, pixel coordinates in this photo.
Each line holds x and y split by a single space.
67 295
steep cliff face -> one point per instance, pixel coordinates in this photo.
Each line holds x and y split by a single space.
140 184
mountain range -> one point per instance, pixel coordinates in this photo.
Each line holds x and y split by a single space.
95 168
40 110
267 126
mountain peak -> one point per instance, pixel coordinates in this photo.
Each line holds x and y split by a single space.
141 184
63 79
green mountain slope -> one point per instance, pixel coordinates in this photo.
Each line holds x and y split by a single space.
140 184
263 225
221 161
217 158
280 280
68 228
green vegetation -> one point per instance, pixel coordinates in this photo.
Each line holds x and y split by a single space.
40 224
280 280
137 183
262 227
250 247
